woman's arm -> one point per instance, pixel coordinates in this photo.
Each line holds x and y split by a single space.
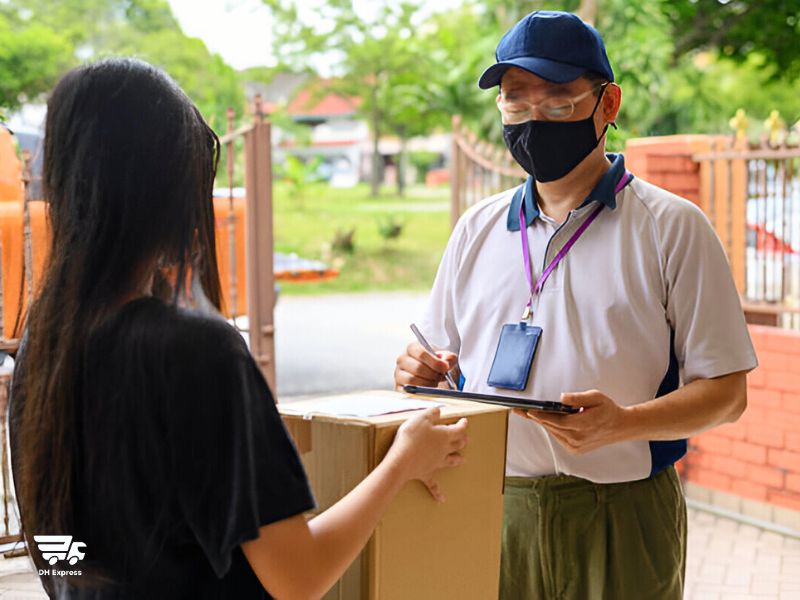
294 558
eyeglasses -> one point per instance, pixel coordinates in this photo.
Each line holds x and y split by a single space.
555 108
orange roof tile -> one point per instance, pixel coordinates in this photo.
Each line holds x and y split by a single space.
308 103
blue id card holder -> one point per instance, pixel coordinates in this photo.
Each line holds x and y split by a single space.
513 358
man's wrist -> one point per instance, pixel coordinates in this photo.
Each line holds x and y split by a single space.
632 427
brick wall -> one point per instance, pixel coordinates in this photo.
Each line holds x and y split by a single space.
758 457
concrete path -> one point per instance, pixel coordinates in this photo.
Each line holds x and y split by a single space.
727 560
341 342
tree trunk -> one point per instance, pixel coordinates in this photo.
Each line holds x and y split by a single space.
401 167
588 11
377 166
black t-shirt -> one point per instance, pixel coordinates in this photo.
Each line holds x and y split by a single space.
181 457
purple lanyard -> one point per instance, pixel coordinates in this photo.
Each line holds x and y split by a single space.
526 255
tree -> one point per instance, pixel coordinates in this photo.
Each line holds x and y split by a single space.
211 83
77 21
33 56
461 45
678 79
373 57
737 28
31 59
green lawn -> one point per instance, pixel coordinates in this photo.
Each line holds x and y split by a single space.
307 225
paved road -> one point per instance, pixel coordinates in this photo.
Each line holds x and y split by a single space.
341 342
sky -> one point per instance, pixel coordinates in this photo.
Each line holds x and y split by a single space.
238 30
241 30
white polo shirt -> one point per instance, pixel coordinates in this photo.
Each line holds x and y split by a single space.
644 297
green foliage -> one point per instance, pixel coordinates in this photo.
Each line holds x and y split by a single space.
390 227
384 61
423 162
211 84
344 240
77 21
150 16
770 28
684 65
462 45
298 175
671 86
31 58
734 28
41 39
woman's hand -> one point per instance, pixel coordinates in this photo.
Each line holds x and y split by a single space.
295 558
421 447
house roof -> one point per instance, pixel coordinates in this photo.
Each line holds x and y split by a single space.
306 99
315 102
321 143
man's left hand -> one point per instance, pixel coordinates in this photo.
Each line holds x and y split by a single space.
601 422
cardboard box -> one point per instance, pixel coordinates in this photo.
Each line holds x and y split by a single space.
421 550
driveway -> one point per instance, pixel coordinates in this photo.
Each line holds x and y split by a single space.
342 342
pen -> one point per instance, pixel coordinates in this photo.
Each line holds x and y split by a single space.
430 349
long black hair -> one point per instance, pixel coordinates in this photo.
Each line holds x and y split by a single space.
129 167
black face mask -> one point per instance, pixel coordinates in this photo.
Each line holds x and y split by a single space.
548 150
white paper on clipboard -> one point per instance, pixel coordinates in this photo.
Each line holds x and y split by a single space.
361 406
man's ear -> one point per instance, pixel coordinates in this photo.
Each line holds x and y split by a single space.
612 100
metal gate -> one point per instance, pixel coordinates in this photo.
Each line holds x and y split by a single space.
751 193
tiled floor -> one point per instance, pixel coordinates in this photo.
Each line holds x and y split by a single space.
726 561
732 561
18 581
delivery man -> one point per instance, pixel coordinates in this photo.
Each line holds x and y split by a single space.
590 286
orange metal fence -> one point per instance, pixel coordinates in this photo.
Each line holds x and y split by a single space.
751 193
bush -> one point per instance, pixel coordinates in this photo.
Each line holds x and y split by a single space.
424 162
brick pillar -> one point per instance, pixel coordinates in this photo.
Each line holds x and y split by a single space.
666 161
718 187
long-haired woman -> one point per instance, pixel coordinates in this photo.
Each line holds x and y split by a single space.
140 424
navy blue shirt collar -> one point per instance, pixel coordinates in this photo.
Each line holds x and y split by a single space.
602 192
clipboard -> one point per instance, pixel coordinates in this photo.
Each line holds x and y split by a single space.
510 401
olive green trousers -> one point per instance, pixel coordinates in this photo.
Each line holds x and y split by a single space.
568 538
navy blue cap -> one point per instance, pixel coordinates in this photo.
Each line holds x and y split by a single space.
557 46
